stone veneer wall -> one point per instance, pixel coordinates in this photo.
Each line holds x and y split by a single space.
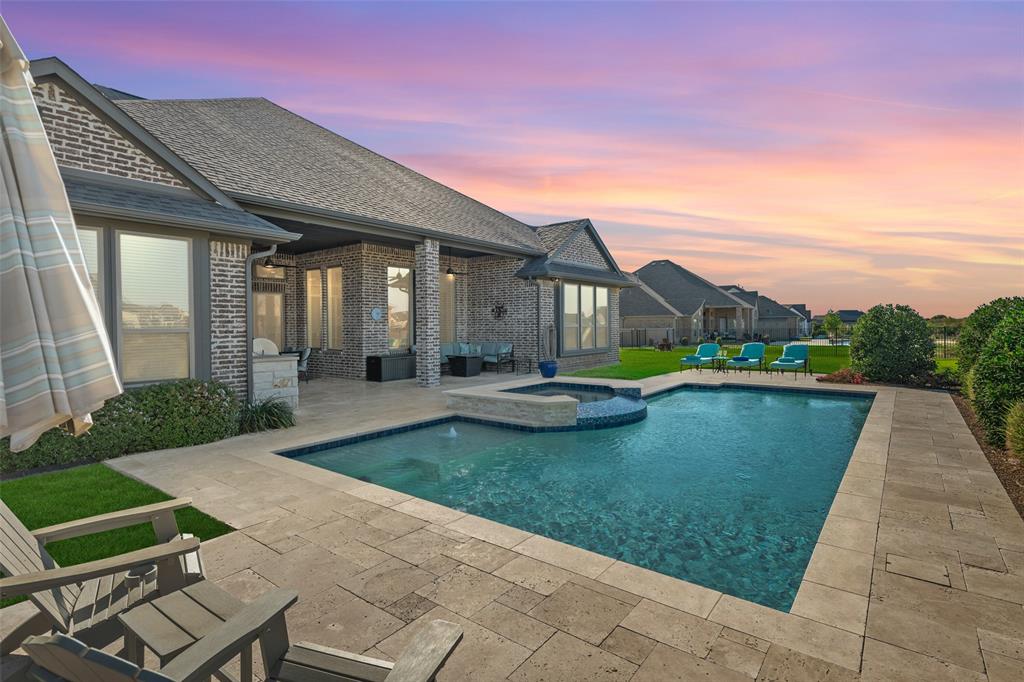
227 314
81 139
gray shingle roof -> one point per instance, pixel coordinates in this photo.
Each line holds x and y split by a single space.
684 290
554 235
254 147
644 301
768 307
133 199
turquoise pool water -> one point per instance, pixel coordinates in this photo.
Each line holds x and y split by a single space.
725 488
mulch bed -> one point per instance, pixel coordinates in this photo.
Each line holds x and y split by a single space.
1008 467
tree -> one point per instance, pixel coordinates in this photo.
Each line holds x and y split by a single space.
977 327
832 324
998 375
892 343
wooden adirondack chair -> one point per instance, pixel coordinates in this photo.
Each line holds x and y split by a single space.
84 600
59 657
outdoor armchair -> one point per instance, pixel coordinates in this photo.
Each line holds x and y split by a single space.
751 356
795 357
85 599
705 355
60 657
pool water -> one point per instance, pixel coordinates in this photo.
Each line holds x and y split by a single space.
726 488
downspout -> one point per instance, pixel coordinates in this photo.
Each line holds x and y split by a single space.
540 330
252 258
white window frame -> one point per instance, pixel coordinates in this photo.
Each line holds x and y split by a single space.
101 276
335 344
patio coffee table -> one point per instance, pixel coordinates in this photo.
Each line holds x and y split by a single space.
171 624
718 364
465 365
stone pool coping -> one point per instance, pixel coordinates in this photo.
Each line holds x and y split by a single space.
829 613
504 403
943 604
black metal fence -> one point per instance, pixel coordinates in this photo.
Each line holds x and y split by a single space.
644 337
945 339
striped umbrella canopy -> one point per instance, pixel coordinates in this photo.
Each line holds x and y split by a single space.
55 361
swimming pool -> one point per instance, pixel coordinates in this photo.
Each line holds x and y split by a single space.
726 488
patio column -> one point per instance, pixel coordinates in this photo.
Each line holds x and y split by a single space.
428 314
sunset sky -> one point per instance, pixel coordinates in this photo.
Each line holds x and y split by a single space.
839 155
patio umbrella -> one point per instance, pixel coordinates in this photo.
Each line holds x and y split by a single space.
55 361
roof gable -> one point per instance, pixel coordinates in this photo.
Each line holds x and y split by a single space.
57 79
683 289
256 150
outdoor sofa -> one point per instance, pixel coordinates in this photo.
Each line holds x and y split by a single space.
496 354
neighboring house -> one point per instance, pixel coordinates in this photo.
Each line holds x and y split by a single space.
847 317
669 295
805 315
182 203
773 320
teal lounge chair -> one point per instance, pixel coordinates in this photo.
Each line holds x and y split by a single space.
751 356
706 353
795 356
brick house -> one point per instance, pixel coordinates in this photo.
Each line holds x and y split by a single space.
208 222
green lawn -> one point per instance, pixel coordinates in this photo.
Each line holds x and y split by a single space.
46 499
637 363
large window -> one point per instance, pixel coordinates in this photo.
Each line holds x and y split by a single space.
268 316
90 239
584 317
334 308
399 307
314 309
155 306
447 286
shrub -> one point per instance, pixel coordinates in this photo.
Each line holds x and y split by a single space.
1015 429
998 376
262 415
168 415
977 327
842 376
892 343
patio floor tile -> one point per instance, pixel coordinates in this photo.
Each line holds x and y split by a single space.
914 568
887 663
787 665
338 618
310 569
482 654
563 658
681 630
736 656
387 582
519 598
831 606
410 607
417 547
464 590
534 575
840 568
859 536
1003 668
661 588
666 664
629 645
231 553
489 531
1005 586
565 556
480 554
514 625
583 613
429 511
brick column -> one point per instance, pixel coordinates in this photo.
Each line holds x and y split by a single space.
428 314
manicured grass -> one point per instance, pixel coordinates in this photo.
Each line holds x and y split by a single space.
946 364
638 363
46 499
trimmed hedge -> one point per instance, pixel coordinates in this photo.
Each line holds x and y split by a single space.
997 380
1015 429
168 415
977 327
892 344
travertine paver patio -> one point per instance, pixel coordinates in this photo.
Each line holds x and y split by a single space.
918 573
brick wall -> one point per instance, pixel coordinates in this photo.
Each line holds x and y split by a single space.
227 313
428 312
583 250
81 139
492 282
